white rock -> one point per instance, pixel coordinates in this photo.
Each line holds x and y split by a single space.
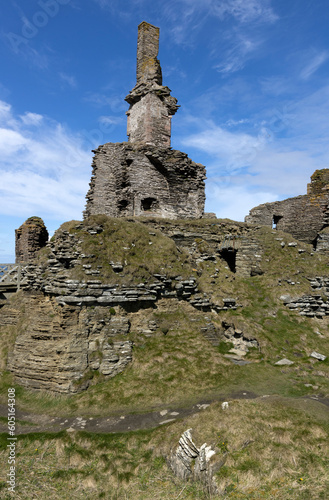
319 356
225 405
284 361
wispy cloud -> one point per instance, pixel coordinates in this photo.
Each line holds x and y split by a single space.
235 58
245 11
31 118
314 64
113 101
245 169
232 151
68 80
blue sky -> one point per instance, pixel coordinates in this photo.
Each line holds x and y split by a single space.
251 76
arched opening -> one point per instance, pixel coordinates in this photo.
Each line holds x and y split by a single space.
275 221
229 255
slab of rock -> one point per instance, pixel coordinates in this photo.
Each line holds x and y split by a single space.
317 355
284 362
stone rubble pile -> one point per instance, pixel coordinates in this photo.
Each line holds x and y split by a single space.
312 306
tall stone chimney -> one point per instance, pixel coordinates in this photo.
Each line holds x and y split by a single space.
151 105
148 66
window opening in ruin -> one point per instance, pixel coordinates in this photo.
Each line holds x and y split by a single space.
149 204
122 205
275 221
229 255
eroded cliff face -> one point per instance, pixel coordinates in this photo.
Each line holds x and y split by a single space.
58 347
96 283
93 291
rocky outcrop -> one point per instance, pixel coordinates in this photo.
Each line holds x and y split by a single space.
30 237
61 349
75 329
189 462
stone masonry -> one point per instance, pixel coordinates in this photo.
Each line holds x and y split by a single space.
145 181
151 105
144 176
29 238
304 217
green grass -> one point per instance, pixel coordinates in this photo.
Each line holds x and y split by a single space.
273 448
177 367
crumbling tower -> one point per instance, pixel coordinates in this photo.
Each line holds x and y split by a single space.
151 105
29 238
144 176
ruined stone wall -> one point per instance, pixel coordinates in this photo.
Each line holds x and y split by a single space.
29 238
302 216
144 180
217 241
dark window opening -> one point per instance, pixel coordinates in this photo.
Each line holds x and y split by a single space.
122 205
275 221
149 204
229 255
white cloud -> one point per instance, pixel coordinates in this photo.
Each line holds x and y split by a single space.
44 168
31 118
233 202
246 169
232 150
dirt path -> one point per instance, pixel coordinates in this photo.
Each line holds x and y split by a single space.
118 423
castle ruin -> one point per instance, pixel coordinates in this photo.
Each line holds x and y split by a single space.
29 238
305 217
144 176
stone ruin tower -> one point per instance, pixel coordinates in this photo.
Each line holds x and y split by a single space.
29 238
144 176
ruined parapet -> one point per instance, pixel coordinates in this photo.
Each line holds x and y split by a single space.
145 181
151 105
302 216
29 238
319 184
